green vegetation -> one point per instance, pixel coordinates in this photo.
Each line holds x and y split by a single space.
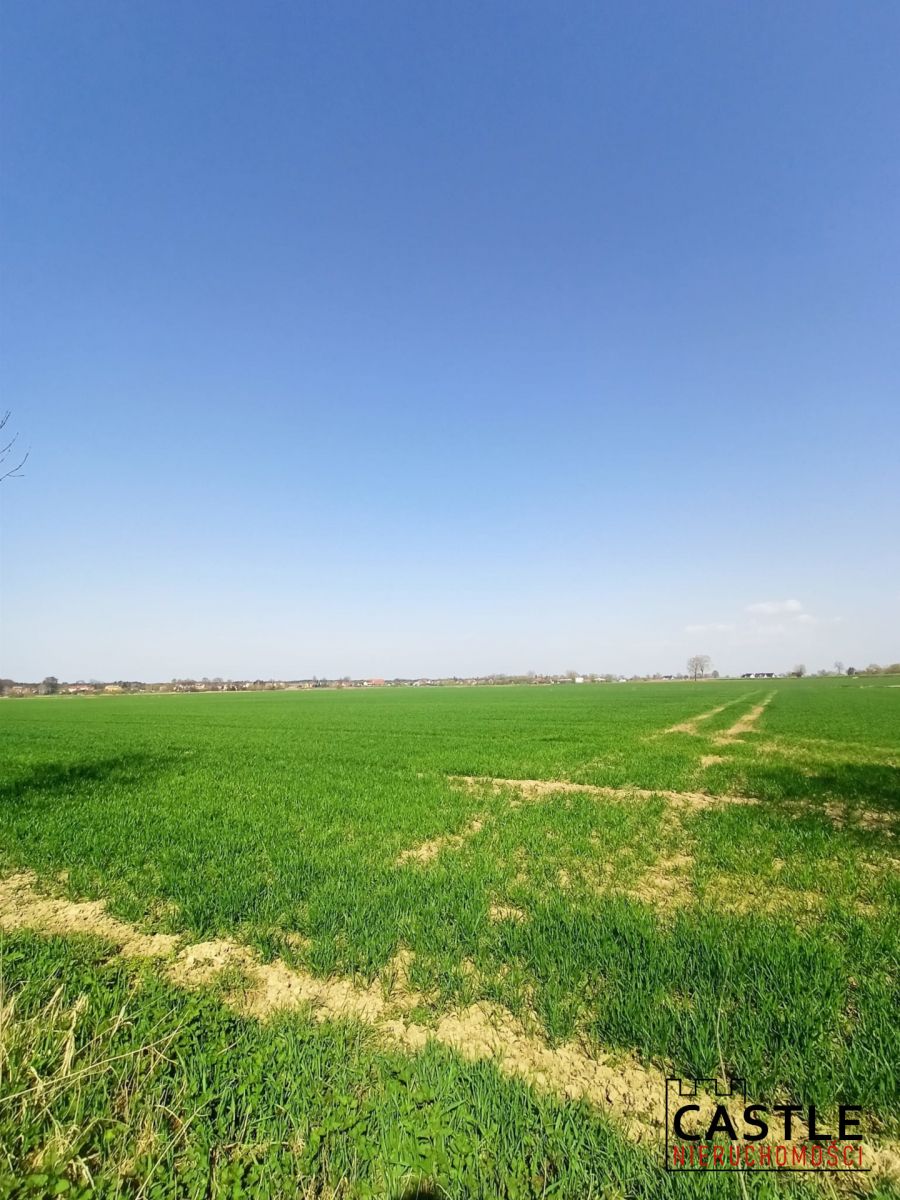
691 932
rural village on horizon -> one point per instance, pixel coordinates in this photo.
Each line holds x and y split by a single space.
699 672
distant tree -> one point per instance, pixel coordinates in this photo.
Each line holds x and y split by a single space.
715 674
851 670
698 665
839 667
799 671
9 467
49 686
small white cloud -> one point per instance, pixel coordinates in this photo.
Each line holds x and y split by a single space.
775 608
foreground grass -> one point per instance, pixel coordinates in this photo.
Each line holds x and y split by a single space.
112 1082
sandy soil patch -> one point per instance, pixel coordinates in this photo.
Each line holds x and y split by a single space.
759 896
615 1082
536 789
744 724
506 912
22 907
744 896
426 852
203 961
710 760
845 816
297 941
665 884
397 986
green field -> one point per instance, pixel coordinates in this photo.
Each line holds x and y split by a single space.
413 955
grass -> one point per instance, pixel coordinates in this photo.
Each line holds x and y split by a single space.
133 1086
764 935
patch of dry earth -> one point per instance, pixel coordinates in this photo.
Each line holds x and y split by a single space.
426 852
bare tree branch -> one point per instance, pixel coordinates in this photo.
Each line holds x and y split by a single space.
13 472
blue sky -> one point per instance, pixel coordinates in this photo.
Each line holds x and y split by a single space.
407 338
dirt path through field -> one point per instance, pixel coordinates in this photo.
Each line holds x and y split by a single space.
744 724
538 788
840 814
691 725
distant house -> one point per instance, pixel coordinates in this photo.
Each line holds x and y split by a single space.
375 683
113 687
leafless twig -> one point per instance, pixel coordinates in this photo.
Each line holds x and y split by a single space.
7 452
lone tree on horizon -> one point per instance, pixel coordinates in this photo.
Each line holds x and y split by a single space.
698 665
7 452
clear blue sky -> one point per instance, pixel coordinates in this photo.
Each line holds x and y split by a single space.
449 337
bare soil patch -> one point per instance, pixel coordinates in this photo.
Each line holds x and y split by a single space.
710 760
22 906
845 816
665 884
537 789
297 941
426 852
744 724
397 986
760 896
506 912
615 1082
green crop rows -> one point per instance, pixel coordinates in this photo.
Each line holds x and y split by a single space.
762 936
